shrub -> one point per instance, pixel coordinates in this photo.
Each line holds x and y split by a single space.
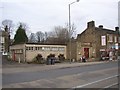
39 59
61 57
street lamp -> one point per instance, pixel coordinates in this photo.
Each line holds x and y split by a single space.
118 59
70 28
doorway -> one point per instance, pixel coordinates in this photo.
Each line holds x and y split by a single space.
86 52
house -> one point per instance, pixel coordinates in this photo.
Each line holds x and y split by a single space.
4 42
93 40
26 52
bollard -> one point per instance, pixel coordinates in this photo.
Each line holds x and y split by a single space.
19 60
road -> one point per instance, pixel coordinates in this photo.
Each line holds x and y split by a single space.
61 78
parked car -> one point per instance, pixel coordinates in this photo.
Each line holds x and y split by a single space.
57 60
104 56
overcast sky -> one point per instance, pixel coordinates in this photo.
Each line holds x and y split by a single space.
43 15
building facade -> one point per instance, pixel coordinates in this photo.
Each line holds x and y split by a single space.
4 42
71 49
27 52
94 40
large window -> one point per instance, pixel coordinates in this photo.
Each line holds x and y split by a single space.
103 40
2 39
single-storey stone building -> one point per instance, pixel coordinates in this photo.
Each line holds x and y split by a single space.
28 51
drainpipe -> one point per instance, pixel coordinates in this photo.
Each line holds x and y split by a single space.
24 52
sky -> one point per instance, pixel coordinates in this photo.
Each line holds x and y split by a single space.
44 15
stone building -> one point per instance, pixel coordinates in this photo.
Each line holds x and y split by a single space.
72 49
93 40
27 52
4 46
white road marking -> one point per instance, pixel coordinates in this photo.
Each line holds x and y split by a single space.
111 85
94 82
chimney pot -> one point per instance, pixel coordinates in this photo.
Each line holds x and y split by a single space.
116 28
101 26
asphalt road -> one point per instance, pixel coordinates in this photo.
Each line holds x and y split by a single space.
66 77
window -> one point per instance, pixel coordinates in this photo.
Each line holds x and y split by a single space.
46 48
103 40
18 51
54 49
115 38
39 48
29 48
36 48
61 49
110 38
2 39
119 40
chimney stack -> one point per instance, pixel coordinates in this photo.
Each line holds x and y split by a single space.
91 24
101 26
117 29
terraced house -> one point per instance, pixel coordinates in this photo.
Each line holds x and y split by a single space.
94 40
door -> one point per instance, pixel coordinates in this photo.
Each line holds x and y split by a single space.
86 52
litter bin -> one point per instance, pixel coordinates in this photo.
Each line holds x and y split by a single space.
48 61
52 60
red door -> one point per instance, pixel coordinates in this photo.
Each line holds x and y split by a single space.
86 52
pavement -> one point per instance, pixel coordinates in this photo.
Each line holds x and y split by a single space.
64 80
14 67
20 67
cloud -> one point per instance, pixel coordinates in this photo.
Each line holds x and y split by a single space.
45 14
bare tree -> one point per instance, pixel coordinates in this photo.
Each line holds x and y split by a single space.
61 34
40 36
9 25
24 25
45 35
72 30
32 38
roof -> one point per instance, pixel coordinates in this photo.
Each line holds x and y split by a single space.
109 31
39 44
45 44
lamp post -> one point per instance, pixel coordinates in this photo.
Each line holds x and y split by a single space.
118 59
70 28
